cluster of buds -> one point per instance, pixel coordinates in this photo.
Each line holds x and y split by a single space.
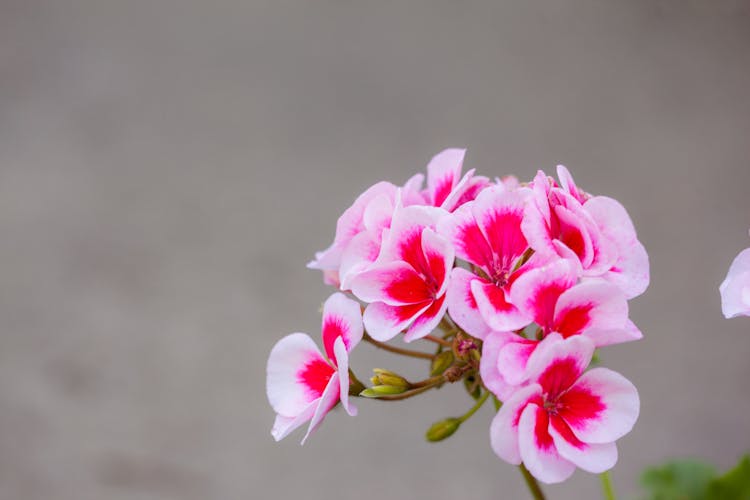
515 285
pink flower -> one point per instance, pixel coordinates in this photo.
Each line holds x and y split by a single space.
735 289
370 213
406 285
487 234
565 418
302 385
595 231
445 186
550 296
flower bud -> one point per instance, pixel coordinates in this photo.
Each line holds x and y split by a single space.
442 429
441 363
389 378
382 390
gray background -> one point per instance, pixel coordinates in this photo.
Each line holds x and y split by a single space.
168 168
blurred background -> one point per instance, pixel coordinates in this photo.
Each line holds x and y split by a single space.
167 168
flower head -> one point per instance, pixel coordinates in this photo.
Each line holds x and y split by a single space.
565 418
303 385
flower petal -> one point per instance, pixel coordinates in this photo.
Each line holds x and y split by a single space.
462 307
536 291
283 426
342 318
594 458
296 374
470 244
393 283
556 363
327 401
499 214
495 308
590 305
538 449
504 426
427 320
601 407
443 173
735 289
383 321
439 256
341 356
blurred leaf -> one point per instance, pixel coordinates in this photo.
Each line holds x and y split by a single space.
735 484
678 480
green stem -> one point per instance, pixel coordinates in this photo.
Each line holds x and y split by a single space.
607 489
534 488
474 408
355 386
398 350
408 394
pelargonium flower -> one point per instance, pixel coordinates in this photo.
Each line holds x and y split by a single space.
595 231
551 296
370 213
487 234
565 418
735 289
405 287
303 385
445 186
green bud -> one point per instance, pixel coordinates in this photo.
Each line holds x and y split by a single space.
387 377
441 363
382 390
442 429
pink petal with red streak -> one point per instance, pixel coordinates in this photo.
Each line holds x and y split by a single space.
427 320
504 426
443 173
602 406
537 447
462 307
383 322
327 401
342 318
590 305
393 283
495 308
536 292
595 458
499 214
556 363
341 356
470 244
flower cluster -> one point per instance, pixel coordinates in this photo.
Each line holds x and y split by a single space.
515 284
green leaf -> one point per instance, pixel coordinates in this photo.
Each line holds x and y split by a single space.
678 480
735 484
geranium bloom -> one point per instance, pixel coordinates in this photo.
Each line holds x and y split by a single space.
445 186
550 295
565 418
595 231
302 385
487 233
406 285
369 215
735 289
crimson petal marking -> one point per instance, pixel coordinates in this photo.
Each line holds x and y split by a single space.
499 214
504 426
443 172
383 321
439 256
394 283
595 458
462 307
574 234
557 363
342 317
593 304
619 403
495 309
462 230
536 292
287 393
538 449
327 401
427 321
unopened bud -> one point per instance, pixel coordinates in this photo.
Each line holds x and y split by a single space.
381 390
387 377
442 429
441 363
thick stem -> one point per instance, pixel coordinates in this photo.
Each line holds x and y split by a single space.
607 489
531 482
398 350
